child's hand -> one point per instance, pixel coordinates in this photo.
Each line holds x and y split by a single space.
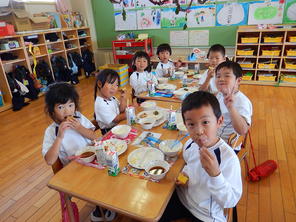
211 73
122 93
74 123
63 126
209 162
229 99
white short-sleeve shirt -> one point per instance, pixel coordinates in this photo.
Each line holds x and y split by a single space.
244 107
138 81
72 141
163 67
106 110
212 86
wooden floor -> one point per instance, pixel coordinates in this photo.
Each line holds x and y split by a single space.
24 195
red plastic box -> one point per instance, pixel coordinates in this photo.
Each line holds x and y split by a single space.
6 29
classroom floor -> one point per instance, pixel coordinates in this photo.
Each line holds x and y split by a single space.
24 195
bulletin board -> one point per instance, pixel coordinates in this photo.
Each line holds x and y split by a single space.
220 18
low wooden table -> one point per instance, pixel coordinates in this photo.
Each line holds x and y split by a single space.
133 197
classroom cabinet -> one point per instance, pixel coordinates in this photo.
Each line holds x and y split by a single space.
67 40
267 56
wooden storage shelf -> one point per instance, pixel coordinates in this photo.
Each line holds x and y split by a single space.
26 59
281 36
83 37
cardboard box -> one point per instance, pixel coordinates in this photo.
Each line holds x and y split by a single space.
40 23
19 18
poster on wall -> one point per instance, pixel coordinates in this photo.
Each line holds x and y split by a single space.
265 13
169 19
130 23
201 16
148 19
232 14
290 11
198 37
179 38
127 4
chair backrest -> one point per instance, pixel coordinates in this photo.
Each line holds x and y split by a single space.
228 213
234 140
57 166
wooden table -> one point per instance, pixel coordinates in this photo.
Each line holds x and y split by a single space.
136 198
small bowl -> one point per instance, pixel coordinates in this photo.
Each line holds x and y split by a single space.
157 165
147 123
121 131
179 74
148 105
163 80
86 154
165 145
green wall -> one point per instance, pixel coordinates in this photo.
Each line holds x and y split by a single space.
105 27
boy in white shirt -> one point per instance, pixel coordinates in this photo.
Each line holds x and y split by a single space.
164 52
235 106
216 55
213 169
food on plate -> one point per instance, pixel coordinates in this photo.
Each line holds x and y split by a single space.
155 113
144 115
157 170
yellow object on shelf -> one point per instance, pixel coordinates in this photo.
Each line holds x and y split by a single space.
289 78
271 52
249 39
245 52
292 38
245 77
121 69
290 65
273 39
266 66
266 78
291 52
247 65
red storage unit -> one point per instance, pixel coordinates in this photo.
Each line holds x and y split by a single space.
127 48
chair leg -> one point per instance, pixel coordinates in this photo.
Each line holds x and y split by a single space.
102 213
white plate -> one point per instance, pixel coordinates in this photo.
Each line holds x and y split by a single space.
142 156
120 145
197 76
166 86
150 113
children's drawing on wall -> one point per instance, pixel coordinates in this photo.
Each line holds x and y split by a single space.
202 2
169 19
265 13
201 16
148 19
143 3
182 2
130 22
128 4
232 14
290 11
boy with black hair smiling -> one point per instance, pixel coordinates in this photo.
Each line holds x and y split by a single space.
235 106
164 52
212 167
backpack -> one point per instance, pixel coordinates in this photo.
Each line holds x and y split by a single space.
88 64
76 57
60 69
43 71
74 69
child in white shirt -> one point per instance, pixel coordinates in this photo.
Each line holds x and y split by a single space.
108 110
71 131
163 68
212 167
142 73
216 55
235 106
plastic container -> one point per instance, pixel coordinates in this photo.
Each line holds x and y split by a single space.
245 52
289 78
249 39
266 66
247 65
290 65
292 38
271 52
247 77
266 78
291 52
273 39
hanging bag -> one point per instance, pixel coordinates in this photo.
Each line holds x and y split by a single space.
65 215
263 170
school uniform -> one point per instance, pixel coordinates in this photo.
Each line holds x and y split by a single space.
72 141
243 106
205 196
163 66
138 81
105 111
212 86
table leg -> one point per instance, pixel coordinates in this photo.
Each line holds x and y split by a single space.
69 208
